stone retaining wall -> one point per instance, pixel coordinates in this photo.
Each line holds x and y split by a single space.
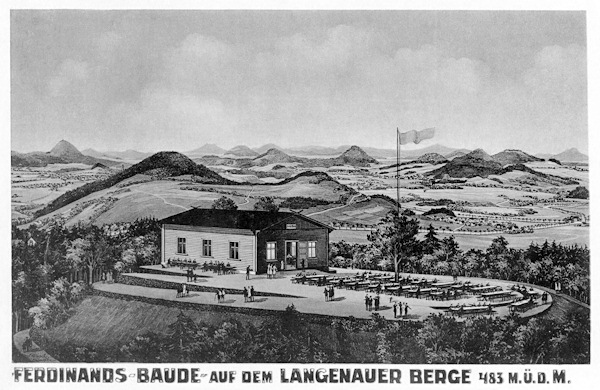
156 283
314 318
164 271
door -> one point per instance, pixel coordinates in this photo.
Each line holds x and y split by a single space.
302 254
291 254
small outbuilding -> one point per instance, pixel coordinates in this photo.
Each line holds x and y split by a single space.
245 238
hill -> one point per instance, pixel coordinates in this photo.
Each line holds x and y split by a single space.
514 156
479 163
212 160
355 156
265 148
274 156
34 159
129 154
579 193
456 153
571 155
320 179
66 150
431 158
62 153
157 166
476 163
437 148
99 166
205 150
241 151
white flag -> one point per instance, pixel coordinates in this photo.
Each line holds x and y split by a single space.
414 136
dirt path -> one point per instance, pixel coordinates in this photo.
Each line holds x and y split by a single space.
333 208
247 199
161 198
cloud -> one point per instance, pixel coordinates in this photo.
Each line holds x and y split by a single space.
108 41
203 65
165 119
558 75
70 74
345 85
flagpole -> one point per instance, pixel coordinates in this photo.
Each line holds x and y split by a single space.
396 254
398 170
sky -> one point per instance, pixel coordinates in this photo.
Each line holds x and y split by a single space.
176 80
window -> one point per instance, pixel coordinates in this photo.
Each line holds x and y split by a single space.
234 250
271 251
207 248
181 245
312 249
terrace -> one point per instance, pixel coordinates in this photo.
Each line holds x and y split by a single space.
424 294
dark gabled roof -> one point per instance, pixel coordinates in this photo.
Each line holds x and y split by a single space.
235 219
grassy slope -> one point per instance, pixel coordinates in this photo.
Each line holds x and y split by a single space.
101 321
162 164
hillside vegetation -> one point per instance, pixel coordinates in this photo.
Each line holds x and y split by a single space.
159 166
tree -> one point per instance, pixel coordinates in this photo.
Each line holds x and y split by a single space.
431 242
266 203
224 203
139 251
184 333
90 252
396 239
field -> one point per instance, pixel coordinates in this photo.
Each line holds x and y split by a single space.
566 235
140 197
469 194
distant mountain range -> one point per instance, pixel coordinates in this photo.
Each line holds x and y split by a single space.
274 156
479 163
129 154
569 155
205 150
514 156
65 152
241 151
353 156
62 153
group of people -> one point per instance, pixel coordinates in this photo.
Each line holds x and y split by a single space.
329 292
371 302
27 344
399 307
249 294
271 271
106 277
191 276
182 291
220 295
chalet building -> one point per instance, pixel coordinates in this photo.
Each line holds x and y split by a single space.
246 238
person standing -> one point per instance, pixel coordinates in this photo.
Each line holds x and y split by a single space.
366 302
248 273
395 307
326 293
245 294
252 293
331 292
406 309
377 303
